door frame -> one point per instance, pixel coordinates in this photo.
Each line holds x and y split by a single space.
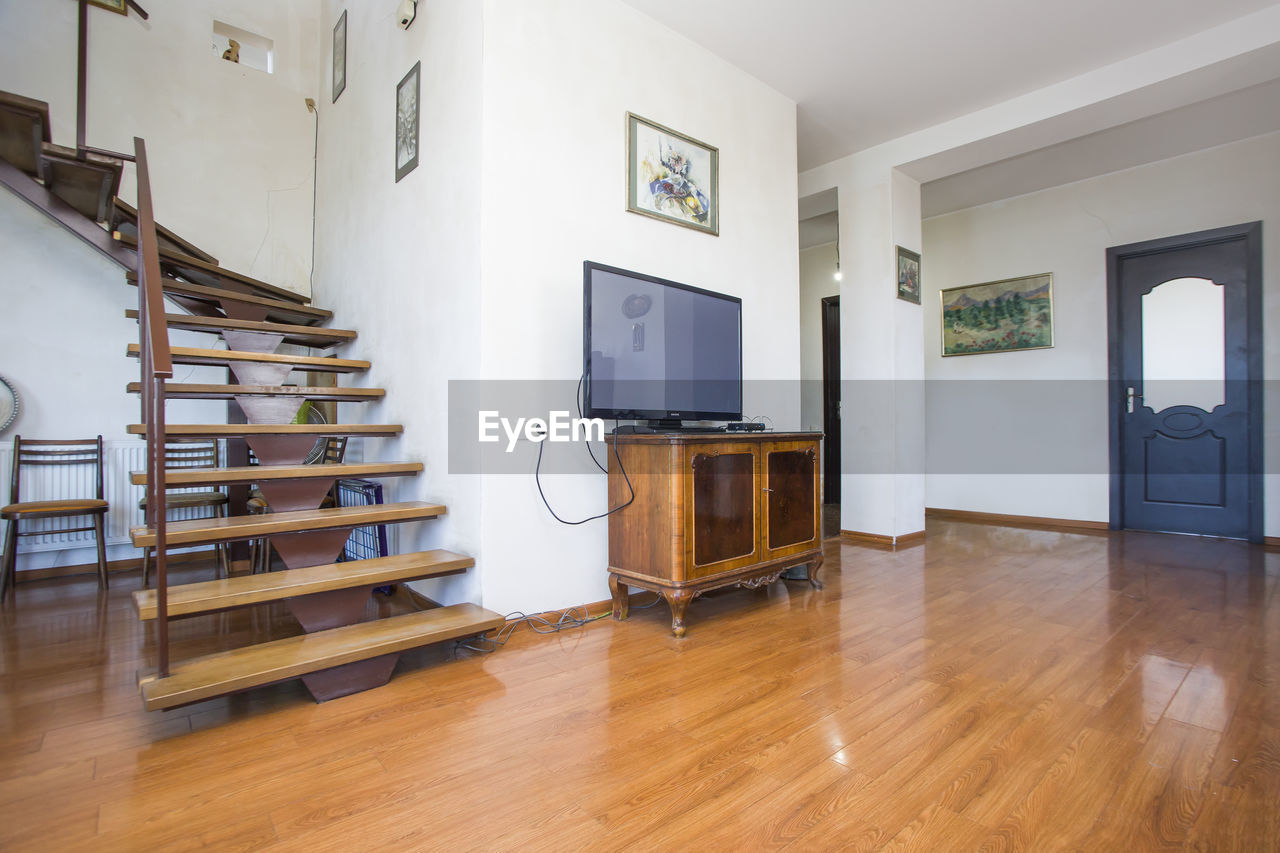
830 403
1251 234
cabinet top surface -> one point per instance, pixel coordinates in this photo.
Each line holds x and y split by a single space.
711 437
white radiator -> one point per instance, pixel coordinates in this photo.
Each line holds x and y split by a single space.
61 482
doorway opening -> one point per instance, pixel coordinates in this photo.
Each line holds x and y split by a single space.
820 340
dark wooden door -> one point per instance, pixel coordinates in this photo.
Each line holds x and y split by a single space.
831 399
1186 383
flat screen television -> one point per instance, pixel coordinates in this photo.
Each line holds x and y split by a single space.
659 350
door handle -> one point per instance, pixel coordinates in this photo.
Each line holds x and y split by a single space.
1130 396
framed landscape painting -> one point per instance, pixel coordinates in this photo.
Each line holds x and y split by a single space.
671 176
998 316
908 275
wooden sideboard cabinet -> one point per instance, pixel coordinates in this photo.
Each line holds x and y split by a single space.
711 510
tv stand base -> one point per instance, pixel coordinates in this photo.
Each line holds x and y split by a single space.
678 595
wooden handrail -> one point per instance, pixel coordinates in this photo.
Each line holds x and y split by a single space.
150 282
156 365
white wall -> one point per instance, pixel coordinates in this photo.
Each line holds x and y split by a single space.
559 77
230 148
817 280
63 350
399 262
1066 231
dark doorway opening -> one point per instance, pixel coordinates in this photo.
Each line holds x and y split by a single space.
831 399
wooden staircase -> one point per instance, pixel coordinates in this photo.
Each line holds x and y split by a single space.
337 653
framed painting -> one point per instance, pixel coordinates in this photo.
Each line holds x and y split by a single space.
118 6
339 56
671 176
998 316
407 122
908 275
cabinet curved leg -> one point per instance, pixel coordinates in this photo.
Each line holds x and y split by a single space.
621 597
813 573
678 600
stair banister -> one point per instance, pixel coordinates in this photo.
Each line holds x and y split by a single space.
157 365
82 81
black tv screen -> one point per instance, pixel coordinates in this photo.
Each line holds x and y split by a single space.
659 350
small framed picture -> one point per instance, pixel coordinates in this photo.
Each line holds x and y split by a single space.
671 176
908 275
339 56
118 6
407 122
998 316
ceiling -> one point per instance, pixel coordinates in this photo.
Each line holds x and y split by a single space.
864 72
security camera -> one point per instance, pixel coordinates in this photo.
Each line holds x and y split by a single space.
405 13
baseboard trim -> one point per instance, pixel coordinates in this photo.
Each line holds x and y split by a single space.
1032 521
1272 542
113 566
881 540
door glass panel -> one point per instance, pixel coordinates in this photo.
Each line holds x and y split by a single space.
1183 351
723 507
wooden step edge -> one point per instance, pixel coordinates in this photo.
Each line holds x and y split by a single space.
181 478
219 357
216 324
266 663
169 284
131 213
172 257
208 531
186 390
244 590
240 430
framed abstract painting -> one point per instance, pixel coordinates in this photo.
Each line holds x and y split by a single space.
407 122
340 56
671 176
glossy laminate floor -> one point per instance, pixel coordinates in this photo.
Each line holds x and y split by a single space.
993 689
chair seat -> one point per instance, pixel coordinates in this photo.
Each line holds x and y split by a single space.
40 509
186 500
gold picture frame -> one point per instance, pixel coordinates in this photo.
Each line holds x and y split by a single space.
998 316
117 6
672 176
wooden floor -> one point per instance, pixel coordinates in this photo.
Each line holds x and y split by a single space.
993 689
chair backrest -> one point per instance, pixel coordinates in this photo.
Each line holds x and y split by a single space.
191 453
334 450
33 452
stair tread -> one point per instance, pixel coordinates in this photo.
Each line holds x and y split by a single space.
313 364
207 531
252 666
22 121
237 430
88 185
210 596
282 311
199 391
181 478
127 212
306 335
203 272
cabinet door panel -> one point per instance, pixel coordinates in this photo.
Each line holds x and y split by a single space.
790 472
723 508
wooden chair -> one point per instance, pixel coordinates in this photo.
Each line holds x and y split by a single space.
30 453
190 453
